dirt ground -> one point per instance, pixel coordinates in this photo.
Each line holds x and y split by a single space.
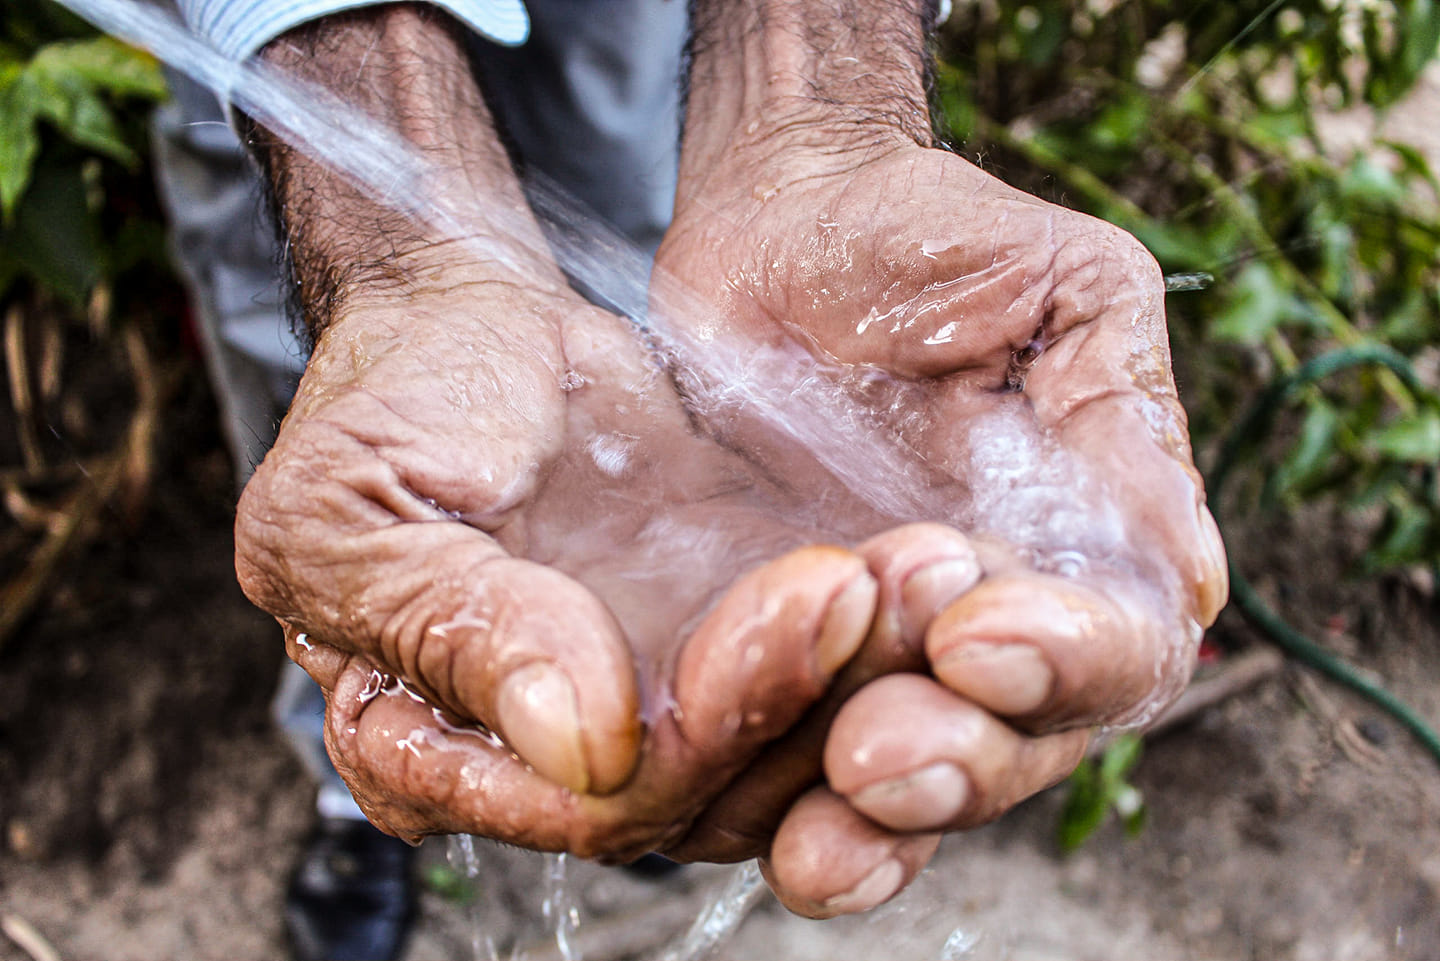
150 811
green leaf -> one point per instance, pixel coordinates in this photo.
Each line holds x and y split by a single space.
1414 438
1097 789
104 64
1413 163
1085 807
1259 301
1312 451
19 141
54 236
1405 537
1411 321
78 112
1178 247
1122 124
1134 822
1121 755
1277 129
1365 180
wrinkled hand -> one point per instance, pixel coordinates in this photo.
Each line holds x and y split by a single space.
508 520
1019 350
488 523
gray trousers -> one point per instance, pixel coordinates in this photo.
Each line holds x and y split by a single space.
591 101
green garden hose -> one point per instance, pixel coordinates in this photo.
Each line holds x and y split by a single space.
1251 427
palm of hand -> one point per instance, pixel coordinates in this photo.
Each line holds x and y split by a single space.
1018 351
460 505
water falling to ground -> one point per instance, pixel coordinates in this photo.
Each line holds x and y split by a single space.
720 918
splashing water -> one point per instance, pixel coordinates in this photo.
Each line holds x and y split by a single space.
460 854
781 386
720 918
558 907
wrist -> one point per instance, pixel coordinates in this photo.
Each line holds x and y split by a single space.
406 68
824 79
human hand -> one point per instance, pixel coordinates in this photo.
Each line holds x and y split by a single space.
1018 351
488 513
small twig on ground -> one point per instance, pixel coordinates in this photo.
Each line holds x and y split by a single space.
1341 727
1234 675
29 940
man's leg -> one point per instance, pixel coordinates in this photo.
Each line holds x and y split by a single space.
592 102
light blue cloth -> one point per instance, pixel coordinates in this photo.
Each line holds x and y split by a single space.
238 28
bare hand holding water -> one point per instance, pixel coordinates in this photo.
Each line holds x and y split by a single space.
1017 349
489 521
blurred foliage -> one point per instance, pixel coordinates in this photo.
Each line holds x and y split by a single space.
1200 127
73 137
85 293
1099 787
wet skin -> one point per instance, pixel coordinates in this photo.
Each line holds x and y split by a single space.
992 303
520 516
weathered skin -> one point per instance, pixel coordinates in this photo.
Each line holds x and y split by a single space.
487 489
990 302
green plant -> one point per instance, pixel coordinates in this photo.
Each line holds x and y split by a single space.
72 111
81 239
1099 787
1201 129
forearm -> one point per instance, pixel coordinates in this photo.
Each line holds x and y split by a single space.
834 76
405 66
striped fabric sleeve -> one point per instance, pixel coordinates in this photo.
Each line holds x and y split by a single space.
238 28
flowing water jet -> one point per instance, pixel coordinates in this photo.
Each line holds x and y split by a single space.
720 918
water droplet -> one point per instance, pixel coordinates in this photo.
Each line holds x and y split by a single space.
944 335
870 318
611 453
460 853
961 945
573 380
720 918
374 684
1063 563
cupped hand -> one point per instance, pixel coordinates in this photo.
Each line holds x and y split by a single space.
1013 355
488 524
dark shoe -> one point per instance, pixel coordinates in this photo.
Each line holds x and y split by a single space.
652 866
351 898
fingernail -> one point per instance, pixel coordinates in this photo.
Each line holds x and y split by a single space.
539 719
923 800
846 624
1214 580
877 887
927 591
1009 679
